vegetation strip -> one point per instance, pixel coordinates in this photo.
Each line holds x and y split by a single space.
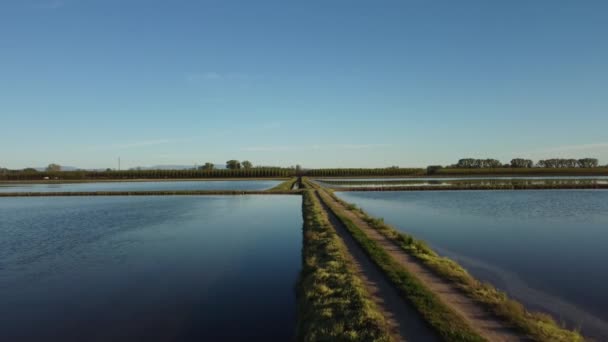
31 174
538 326
549 167
333 304
149 193
352 172
448 323
286 185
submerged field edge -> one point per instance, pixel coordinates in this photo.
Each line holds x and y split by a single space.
150 193
461 172
538 326
333 304
137 180
477 187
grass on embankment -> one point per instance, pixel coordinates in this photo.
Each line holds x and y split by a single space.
333 305
448 324
286 185
538 326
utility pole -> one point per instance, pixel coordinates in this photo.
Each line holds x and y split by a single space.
118 163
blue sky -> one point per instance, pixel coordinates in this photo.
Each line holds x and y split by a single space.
320 83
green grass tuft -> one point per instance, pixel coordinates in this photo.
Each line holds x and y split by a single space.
286 185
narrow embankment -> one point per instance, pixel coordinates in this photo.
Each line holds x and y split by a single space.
404 322
333 302
449 323
285 186
441 298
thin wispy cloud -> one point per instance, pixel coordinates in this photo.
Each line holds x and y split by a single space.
143 143
270 125
268 148
215 76
313 147
581 147
134 144
361 146
592 147
597 150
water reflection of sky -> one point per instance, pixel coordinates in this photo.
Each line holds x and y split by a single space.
141 186
549 242
448 181
149 268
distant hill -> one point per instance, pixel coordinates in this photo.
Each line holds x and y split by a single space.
173 167
153 167
63 168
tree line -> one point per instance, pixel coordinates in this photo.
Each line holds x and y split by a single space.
206 171
359 172
232 164
471 163
149 174
234 169
237 169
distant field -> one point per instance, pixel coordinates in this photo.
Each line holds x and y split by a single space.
362 172
148 174
273 173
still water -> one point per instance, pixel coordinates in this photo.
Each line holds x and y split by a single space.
149 268
546 248
462 181
141 186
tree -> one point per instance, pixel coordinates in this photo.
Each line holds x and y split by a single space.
208 166
53 168
470 163
29 169
492 163
548 163
233 164
247 164
466 163
588 162
521 163
568 163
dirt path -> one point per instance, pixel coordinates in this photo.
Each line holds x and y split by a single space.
404 321
486 324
